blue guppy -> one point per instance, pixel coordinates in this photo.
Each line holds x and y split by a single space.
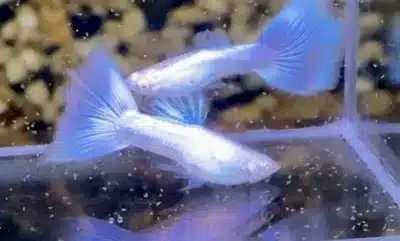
302 44
298 52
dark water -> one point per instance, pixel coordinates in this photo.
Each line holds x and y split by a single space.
324 175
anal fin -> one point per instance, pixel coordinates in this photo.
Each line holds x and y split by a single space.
180 173
188 109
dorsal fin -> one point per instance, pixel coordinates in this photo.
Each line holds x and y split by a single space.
211 39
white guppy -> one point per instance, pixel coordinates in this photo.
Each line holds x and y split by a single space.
102 117
298 52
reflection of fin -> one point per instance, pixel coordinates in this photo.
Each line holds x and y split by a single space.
306 39
191 109
96 99
87 228
211 39
180 173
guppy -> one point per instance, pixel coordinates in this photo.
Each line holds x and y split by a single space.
231 214
101 117
298 52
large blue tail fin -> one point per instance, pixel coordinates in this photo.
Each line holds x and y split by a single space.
95 100
306 40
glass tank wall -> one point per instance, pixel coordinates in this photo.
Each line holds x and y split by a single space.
338 176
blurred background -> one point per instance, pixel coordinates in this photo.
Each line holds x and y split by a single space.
41 38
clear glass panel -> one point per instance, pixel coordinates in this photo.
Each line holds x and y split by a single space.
328 174
339 176
323 191
378 55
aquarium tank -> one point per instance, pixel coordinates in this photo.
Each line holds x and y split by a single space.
336 151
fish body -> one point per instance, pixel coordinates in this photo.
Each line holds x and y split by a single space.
298 52
200 152
228 214
193 70
101 117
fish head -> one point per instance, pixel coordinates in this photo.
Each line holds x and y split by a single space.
222 161
260 165
241 210
255 166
